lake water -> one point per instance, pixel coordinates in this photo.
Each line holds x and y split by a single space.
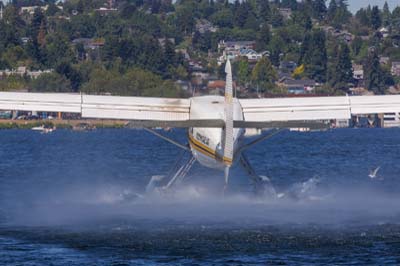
77 198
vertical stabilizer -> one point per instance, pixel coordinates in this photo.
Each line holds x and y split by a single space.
228 137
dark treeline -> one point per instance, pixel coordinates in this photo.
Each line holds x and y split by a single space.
133 47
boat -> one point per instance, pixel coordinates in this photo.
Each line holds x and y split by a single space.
44 129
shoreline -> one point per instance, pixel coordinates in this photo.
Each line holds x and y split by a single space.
60 123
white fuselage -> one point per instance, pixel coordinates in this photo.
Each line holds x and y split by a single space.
207 143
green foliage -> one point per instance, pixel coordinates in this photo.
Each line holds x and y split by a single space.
276 18
302 19
263 37
337 13
57 50
13 83
386 15
264 75
223 18
14 56
313 55
376 20
131 37
373 74
135 82
319 9
50 82
342 72
242 72
8 36
356 45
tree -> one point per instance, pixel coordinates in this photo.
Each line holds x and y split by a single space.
263 37
41 37
264 75
313 55
276 18
185 16
364 16
169 53
135 82
332 9
265 10
38 23
319 9
375 18
71 74
343 70
15 56
8 36
302 19
52 9
338 13
356 45
243 12
11 17
386 15
373 74
242 72
276 47
57 50
292 4
51 82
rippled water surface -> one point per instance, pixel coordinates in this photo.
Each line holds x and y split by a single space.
77 198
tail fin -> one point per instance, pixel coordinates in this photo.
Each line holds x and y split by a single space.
228 137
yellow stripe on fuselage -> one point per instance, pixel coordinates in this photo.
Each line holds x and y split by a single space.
200 147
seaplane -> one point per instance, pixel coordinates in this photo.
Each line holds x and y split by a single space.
216 125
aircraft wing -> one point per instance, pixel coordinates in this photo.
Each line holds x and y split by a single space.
105 107
316 108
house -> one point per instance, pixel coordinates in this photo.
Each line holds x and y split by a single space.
25 40
184 52
31 9
395 70
384 32
184 85
89 44
235 49
286 13
162 41
203 26
236 45
23 72
358 72
384 60
250 54
298 86
196 66
201 77
103 11
359 91
217 87
289 66
342 35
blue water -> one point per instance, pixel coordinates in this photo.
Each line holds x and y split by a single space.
76 198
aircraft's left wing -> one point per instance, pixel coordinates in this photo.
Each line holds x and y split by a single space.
106 107
135 108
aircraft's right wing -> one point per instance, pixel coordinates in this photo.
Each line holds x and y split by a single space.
316 108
